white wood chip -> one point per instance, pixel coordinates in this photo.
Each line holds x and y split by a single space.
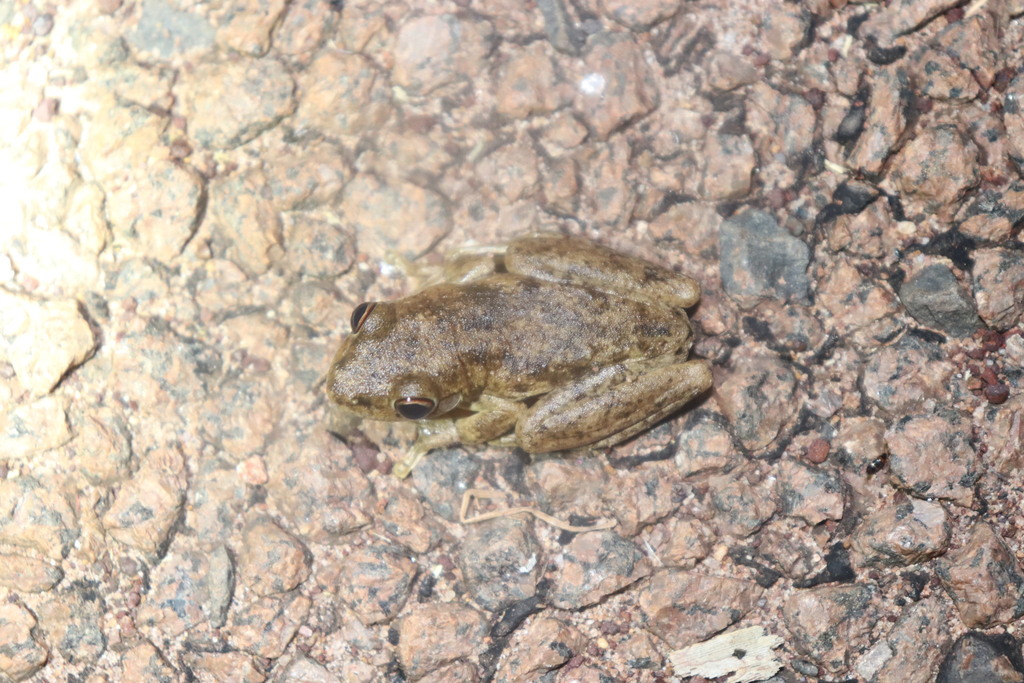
745 653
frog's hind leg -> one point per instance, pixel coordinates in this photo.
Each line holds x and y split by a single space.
461 265
582 262
612 405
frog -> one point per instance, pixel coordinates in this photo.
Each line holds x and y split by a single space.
547 343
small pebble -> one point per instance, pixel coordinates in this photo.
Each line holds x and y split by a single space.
46 109
42 25
996 393
817 451
991 341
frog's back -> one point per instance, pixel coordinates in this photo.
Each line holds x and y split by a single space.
518 336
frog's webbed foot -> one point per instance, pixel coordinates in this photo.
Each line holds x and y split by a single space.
438 436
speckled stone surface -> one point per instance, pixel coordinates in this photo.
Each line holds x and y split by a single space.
196 196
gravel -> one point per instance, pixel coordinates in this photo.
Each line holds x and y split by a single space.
197 195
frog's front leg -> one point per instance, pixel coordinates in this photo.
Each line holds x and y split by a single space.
611 405
490 418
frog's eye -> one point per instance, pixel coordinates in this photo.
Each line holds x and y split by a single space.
415 407
361 313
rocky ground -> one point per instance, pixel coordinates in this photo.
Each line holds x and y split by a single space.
196 195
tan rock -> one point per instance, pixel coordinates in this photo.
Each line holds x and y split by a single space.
683 607
500 562
609 193
681 542
870 233
639 16
728 70
780 124
593 566
931 457
246 225
376 582
246 26
406 521
270 560
61 265
809 492
190 591
146 663
306 176
924 377
342 95
302 668
148 505
743 507
71 618
303 27
642 497
102 449
434 51
85 219
1013 108
984 579
265 627
829 623
230 103
436 634
34 428
729 167
901 535
155 212
706 445
318 246
537 647
119 140
402 217
42 339
884 121
317 490
900 654
999 287
230 667
937 167
785 28
616 85
901 17
28 574
757 415
861 309
528 84
37 517
22 655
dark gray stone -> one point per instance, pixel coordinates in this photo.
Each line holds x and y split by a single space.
442 476
980 658
593 566
761 260
935 299
167 31
559 26
500 561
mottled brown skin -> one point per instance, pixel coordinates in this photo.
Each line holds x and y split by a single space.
563 343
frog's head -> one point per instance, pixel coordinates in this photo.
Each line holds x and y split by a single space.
387 370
